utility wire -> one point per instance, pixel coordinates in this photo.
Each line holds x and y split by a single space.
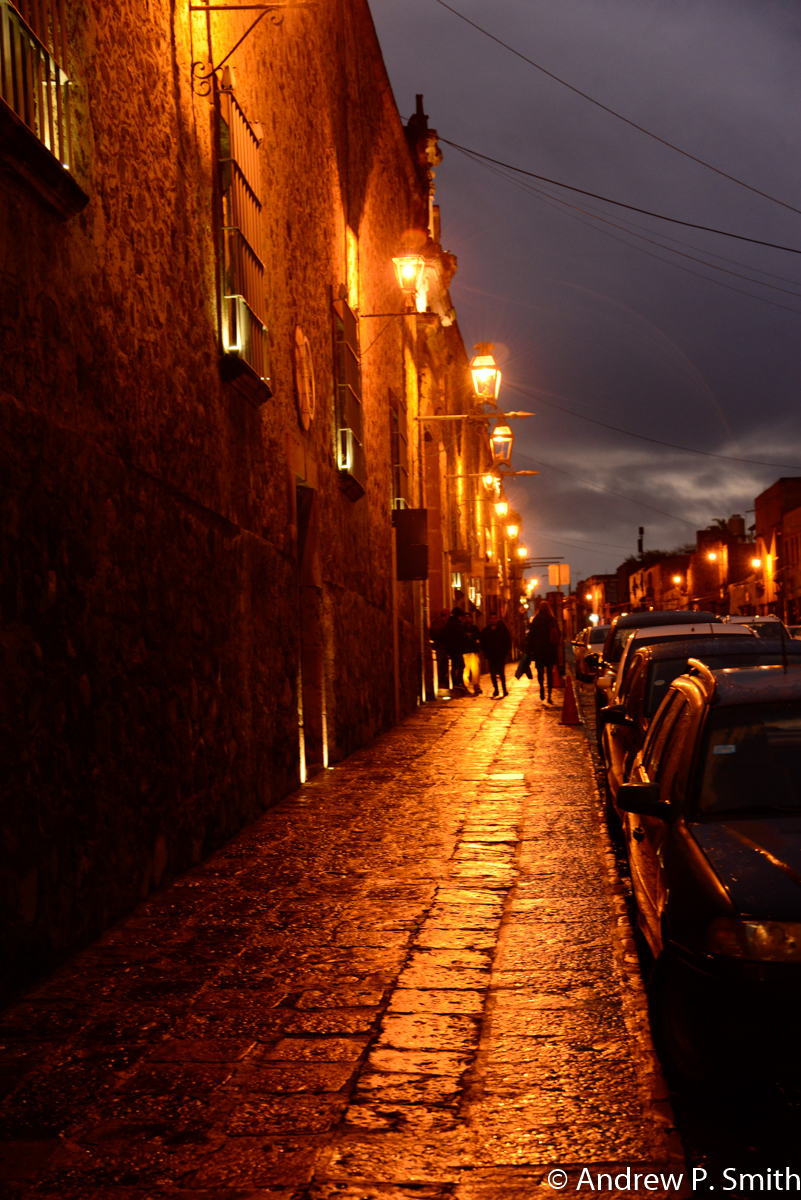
597 217
741 237
619 116
688 270
754 462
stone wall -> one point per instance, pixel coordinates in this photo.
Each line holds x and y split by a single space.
151 590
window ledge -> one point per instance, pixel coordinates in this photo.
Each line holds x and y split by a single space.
23 153
241 376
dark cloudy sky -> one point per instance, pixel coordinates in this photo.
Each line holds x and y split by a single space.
596 324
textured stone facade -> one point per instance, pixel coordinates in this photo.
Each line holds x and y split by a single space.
181 569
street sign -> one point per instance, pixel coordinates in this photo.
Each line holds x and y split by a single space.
559 573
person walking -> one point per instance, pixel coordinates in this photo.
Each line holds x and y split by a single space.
542 645
496 642
437 626
472 671
453 639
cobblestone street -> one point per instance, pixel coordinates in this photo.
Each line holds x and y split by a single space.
414 977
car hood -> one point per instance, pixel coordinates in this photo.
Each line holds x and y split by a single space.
758 862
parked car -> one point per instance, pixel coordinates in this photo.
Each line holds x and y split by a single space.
794 631
589 641
713 832
619 631
651 670
767 626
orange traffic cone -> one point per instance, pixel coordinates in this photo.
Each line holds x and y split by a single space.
557 679
570 714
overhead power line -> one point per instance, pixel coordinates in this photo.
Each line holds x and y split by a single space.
753 462
686 154
741 237
570 210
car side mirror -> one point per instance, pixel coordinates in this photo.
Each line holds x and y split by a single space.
614 715
643 800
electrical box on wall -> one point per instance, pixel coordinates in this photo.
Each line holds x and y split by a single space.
411 542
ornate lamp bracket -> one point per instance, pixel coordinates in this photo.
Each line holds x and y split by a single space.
201 77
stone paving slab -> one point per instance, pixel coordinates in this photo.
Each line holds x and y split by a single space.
413 978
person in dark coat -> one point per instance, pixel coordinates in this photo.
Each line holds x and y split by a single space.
472 667
496 642
453 639
437 626
542 645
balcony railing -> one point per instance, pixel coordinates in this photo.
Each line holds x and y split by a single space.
32 83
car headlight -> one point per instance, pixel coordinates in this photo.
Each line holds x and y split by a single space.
762 941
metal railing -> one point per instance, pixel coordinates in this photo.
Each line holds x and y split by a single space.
243 269
32 83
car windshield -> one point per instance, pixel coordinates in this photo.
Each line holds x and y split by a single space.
599 633
664 672
751 761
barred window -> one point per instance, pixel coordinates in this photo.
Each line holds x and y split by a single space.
33 77
350 433
244 331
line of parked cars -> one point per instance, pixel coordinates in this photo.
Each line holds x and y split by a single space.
699 725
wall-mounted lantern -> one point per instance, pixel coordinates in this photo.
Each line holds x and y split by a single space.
512 531
501 508
677 580
486 376
712 556
756 563
409 269
501 441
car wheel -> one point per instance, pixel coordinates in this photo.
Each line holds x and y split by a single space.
679 1005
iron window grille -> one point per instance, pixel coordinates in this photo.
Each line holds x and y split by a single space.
350 418
399 447
244 332
33 80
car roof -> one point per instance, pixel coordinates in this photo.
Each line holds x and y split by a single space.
698 647
677 616
708 627
752 620
746 685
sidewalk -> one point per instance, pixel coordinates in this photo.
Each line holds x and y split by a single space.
414 977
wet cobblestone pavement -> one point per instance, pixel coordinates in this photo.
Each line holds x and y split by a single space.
414 977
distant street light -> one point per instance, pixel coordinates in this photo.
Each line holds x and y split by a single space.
409 270
522 552
501 440
512 531
501 508
756 563
486 376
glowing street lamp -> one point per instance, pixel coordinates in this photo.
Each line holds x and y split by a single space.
409 270
712 556
486 376
501 440
501 508
512 531
522 552
677 580
756 563
588 596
